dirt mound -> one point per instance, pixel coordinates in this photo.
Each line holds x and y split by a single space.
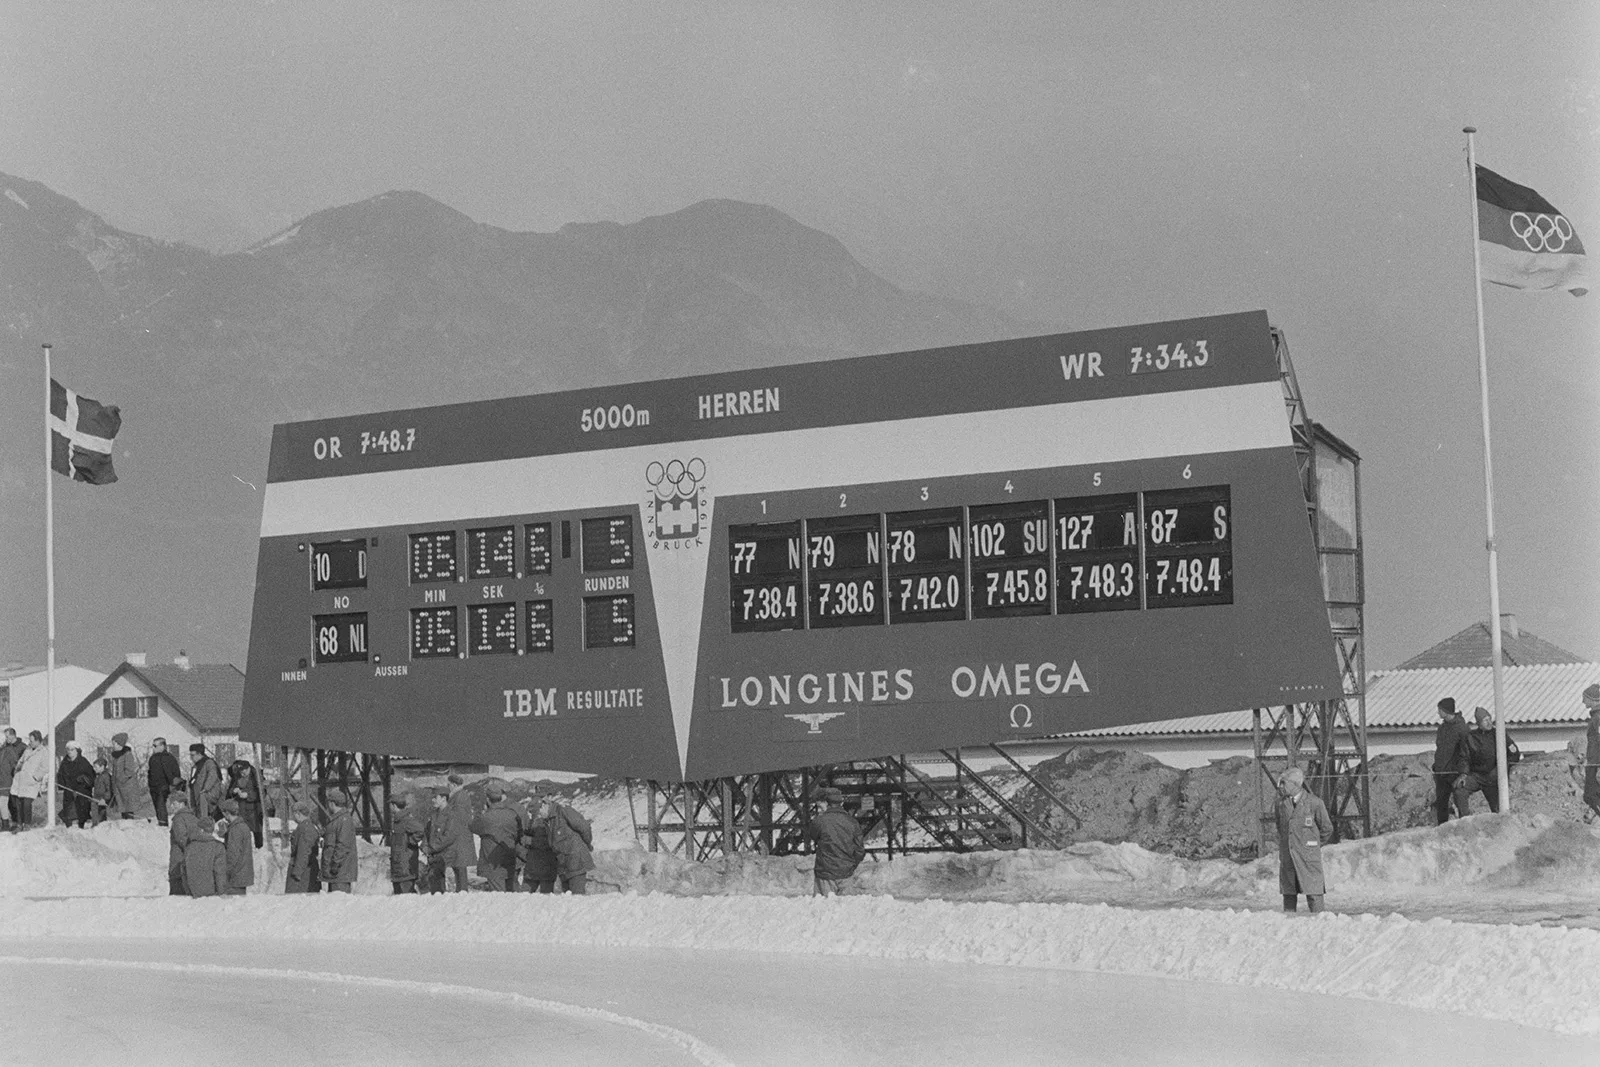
1214 811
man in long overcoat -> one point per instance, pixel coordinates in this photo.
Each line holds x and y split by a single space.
339 846
162 775
124 778
499 828
183 827
1451 759
11 750
244 787
205 784
405 840
441 843
304 875
240 853
1591 750
75 778
571 839
1303 828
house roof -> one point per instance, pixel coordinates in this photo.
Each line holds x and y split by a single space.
211 695
1473 647
1541 693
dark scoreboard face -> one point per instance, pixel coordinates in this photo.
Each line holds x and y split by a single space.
800 565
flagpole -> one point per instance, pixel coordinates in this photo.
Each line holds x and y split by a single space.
49 600
1501 771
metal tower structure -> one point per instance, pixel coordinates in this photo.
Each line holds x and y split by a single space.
1327 739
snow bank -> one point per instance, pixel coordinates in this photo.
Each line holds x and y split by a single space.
1538 976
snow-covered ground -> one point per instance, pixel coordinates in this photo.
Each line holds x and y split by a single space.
1082 923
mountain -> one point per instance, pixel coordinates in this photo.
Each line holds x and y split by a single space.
396 301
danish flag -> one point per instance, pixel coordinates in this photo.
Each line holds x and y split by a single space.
81 431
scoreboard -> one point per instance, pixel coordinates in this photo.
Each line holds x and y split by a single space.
781 567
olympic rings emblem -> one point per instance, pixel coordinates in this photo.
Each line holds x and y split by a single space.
1541 233
676 478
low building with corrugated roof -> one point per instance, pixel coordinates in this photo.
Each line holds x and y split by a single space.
1543 684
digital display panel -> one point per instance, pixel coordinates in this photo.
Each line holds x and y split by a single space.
492 552
845 557
608 543
607 621
435 633
539 547
340 638
927 571
541 625
339 564
1010 559
433 557
1097 553
1188 547
492 629
766 563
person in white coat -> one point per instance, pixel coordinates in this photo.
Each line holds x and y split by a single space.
33 773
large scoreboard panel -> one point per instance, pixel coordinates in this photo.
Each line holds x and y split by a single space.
796 565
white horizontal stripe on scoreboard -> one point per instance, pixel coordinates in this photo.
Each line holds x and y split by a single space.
1231 418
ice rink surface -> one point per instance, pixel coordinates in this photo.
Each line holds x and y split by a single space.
273 1002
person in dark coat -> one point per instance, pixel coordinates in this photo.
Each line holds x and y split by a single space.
236 844
31 781
499 829
571 839
405 841
205 861
304 870
540 866
339 846
162 776
461 805
102 790
182 829
244 787
1591 750
441 844
75 777
11 751
124 778
1303 828
205 784
838 842
1450 762
1483 761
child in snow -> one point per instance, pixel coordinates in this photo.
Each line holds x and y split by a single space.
102 789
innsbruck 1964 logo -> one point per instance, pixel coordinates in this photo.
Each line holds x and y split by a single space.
675 511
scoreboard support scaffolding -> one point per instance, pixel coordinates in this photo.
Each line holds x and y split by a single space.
1327 739
361 777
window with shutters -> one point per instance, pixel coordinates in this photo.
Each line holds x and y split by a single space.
129 707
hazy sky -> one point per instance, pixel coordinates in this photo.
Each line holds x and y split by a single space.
1084 164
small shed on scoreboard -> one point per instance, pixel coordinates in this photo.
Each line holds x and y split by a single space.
180 701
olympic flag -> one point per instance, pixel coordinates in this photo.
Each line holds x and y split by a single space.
1525 243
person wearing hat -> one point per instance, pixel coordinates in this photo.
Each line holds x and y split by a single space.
441 843
499 829
205 859
244 786
1303 828
540 864
1451 748
1483 760
1591 750
405 839
236 842
339 846
205 784
162 776
837 841
571 839
75 779
304 875
11 751
124 778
